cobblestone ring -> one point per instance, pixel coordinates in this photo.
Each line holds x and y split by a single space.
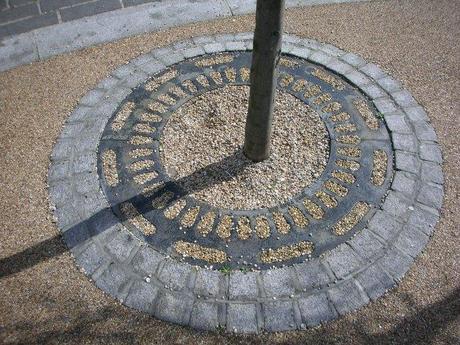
147 238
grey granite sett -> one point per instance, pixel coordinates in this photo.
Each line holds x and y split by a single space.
397 205
312 274
332 50
319 57
424 131
205 315
407 162
122 245
73 130
389 84
59 171
339 66
167 60
316 309
367 245
384 225
92 97
347 296
135 78
143 59
395 263
243 286
223 38
424 218
244 36
141 296
248 45
301 52
411 241
81 112
114 280
279 282
403 98
375 281
397 123
231 46
173 307
431 195
146 260
353 59
416 113
67 216
162 51
211 48
432 172
124 70
175 274
372 70
357 78
403 182
207 282
192 52
430 152
204 39
183 44
91 259
61 192
373 91
385 106
404 142
242 318
279 316
343 261
292 39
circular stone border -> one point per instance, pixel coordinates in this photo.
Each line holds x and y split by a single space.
302 295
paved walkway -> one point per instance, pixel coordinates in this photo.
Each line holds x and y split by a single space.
31 31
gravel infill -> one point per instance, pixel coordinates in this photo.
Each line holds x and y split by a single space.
210 130
45 299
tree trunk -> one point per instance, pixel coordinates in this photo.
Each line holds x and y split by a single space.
265 56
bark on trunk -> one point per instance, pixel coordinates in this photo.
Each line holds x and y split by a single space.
265 56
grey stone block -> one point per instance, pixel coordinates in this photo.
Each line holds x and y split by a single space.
234 46
339 66
311 274
279 282
192 52
76 237
332 50
157 53
122 245
205 316
222 38
389 84
347 296
395 263
353 59
113 280
61 192
108 82
174 307
152 67
384 225
135 78
343 261
88 9
397 123
416 113
203 39
86 184
372 71
373 91
397 205
424 131
404 98
430 152
67 216
407 162
316 309
167 60
357 78
279 316
146 260
424 218
142 296
175 274
183 44
81 113
320 57
243 285
375 281
367 245
211 48
404 142
73 130
207 282
122 71
431 195
404 184
411 241
91 259
249 45
242 318
85 162
432 172
385 106
303 53
142 60
244 36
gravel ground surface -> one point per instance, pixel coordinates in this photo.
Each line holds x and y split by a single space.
45 299
210 128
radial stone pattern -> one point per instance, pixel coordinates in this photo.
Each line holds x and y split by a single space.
160 207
